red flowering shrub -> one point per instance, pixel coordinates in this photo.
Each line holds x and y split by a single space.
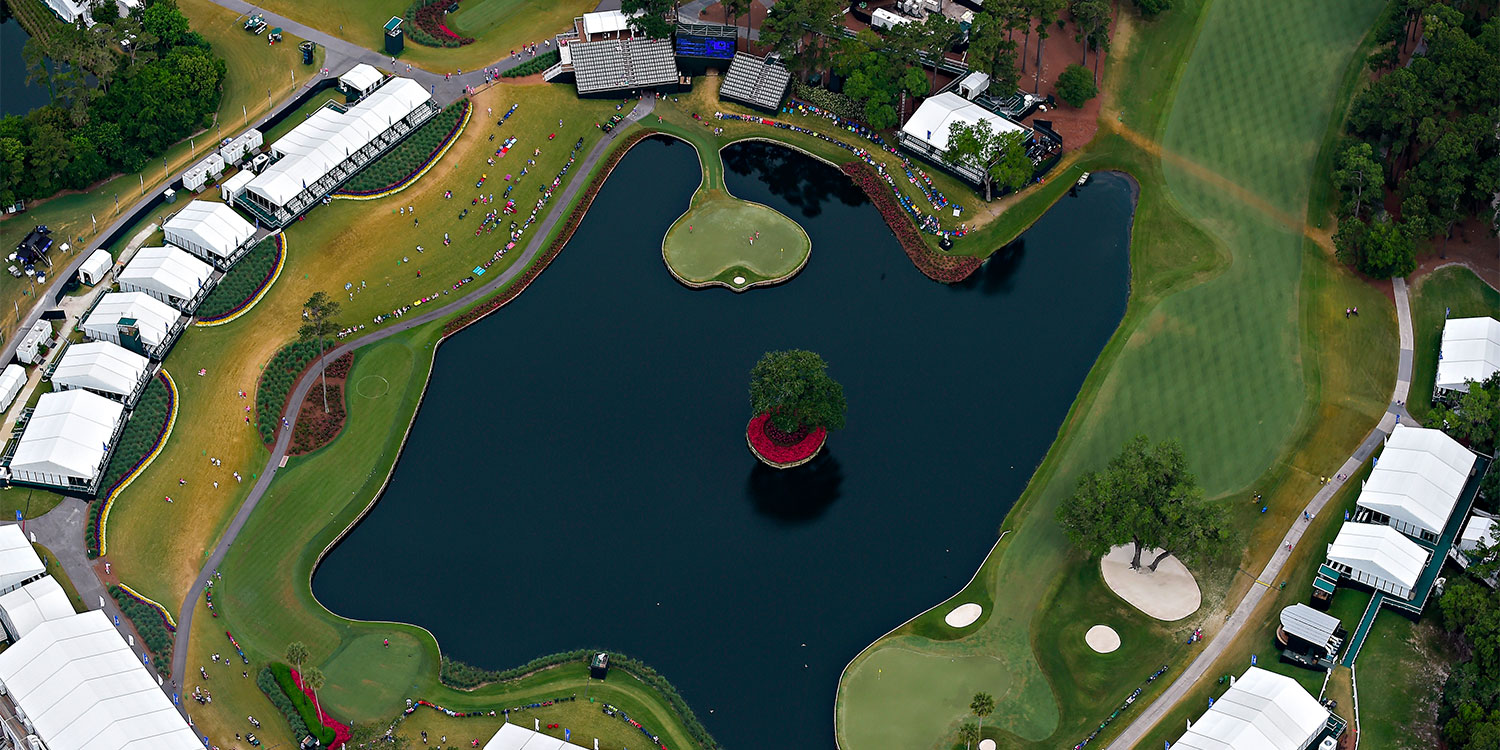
341 731
770 449
428 16
934 265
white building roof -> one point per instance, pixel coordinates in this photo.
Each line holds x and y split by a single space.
1379 551
101 366
169 270
154 317
237 182
18 559
1418 477
1261 711
211 225
361 77
933 121
84 689
605 22
37 602
97 264
71 10
11 380
1479 529
1470 351
68 434
325 139
517 737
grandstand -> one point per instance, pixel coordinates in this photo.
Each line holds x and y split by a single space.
757 81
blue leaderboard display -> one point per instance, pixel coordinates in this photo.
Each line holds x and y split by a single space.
698 46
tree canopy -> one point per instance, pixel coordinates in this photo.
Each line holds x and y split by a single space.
1001 155
1075 85
1470 711
795 389
1146 497
656 19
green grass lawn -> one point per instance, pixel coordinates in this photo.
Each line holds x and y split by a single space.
1452 291
722 238
1400 678
55 569
31 501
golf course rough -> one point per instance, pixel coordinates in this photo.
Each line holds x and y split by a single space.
724 241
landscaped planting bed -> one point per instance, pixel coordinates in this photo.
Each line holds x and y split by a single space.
242 282
425 24
534 65
137 441
937 266
410 155
148 622
316 428
266 681
288 697
783 449
276 383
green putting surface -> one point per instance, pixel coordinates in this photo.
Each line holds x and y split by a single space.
712 241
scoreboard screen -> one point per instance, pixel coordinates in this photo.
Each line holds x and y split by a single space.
698 46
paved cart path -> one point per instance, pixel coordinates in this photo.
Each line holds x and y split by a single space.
1268 578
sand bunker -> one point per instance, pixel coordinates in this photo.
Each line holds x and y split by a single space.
1170 593
1102 638
964 615
986 745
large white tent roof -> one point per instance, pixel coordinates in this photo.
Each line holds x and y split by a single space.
934 120
210 224
605 22
326 138
1418 477
97 264
101 366
68 434
517 737
1470 351
18 559
11 380
361 77
168 270
1261 711
154 317
1380 551
84 689
37 602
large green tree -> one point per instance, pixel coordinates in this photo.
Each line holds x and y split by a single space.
1001 155
794 388
876 77
1075 85
1358 178
991 48
1470 709
656 19
1475 416
1147 498
804 32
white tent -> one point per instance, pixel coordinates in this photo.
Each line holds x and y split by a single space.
83 688
605 22
169 275
324 140
28 350
11 381
209 230
517 737
1417 480
1378 556
932 122
104 368
18 560
71 11
232 187
96 267
1261 711
42 600
156 321
361 78
1470 352
1479 529
67 440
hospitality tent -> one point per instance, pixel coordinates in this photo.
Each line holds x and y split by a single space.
361 78
605 23
107 369
1261 711
11 381
132 320
68 440
168 274
517 737
231 188
1479 529
19 563
83 688
933 121
1319 629
1416 481
42 600
1379 557
209 230
71 11
96 267
1470 352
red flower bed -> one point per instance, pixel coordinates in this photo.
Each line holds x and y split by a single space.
776 453
341 732
569 226
430 19
934 265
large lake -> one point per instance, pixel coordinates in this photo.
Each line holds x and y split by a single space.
578 476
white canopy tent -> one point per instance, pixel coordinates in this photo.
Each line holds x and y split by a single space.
11 381
168 274
1470 352
209 230
19 563
362 78
1480 529
1317 628
104 368
156 321
83 688
67 440
1417 480
1378 556
933 121
71 11
1261 711
605 22
42 600
232 187
517 737
96 267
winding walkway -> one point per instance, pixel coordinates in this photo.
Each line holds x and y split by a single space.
1244 612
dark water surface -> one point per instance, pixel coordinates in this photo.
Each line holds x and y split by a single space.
578 476
16 96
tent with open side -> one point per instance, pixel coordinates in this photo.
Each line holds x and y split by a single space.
209 230
168 274
96 268
67 441
107 369
123 317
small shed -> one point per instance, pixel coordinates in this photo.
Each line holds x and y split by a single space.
96 268
361 79
235 185
29 350
12 379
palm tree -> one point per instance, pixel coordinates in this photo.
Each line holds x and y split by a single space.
983 705
314 680
969 733
296 654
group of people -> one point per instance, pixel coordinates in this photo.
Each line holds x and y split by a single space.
530 50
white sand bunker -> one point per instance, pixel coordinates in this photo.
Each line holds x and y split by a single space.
1102 638
986 745
739 281
1170 593
964 615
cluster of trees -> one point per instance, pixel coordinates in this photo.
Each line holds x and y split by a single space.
113 107
983 705
1474 420
1423 136
1470 710
1007 166
795 389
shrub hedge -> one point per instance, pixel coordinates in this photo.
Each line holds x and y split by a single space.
409 155
266 681
149 624
534 65
276 383
302 704
139 437
822 98
242 281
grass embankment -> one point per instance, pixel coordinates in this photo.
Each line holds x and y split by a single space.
722 238
147 423
1447 292
56 570
1209 352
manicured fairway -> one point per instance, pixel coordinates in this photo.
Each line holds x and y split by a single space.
723 238
1446 292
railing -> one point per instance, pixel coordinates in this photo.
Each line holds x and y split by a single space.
553 72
